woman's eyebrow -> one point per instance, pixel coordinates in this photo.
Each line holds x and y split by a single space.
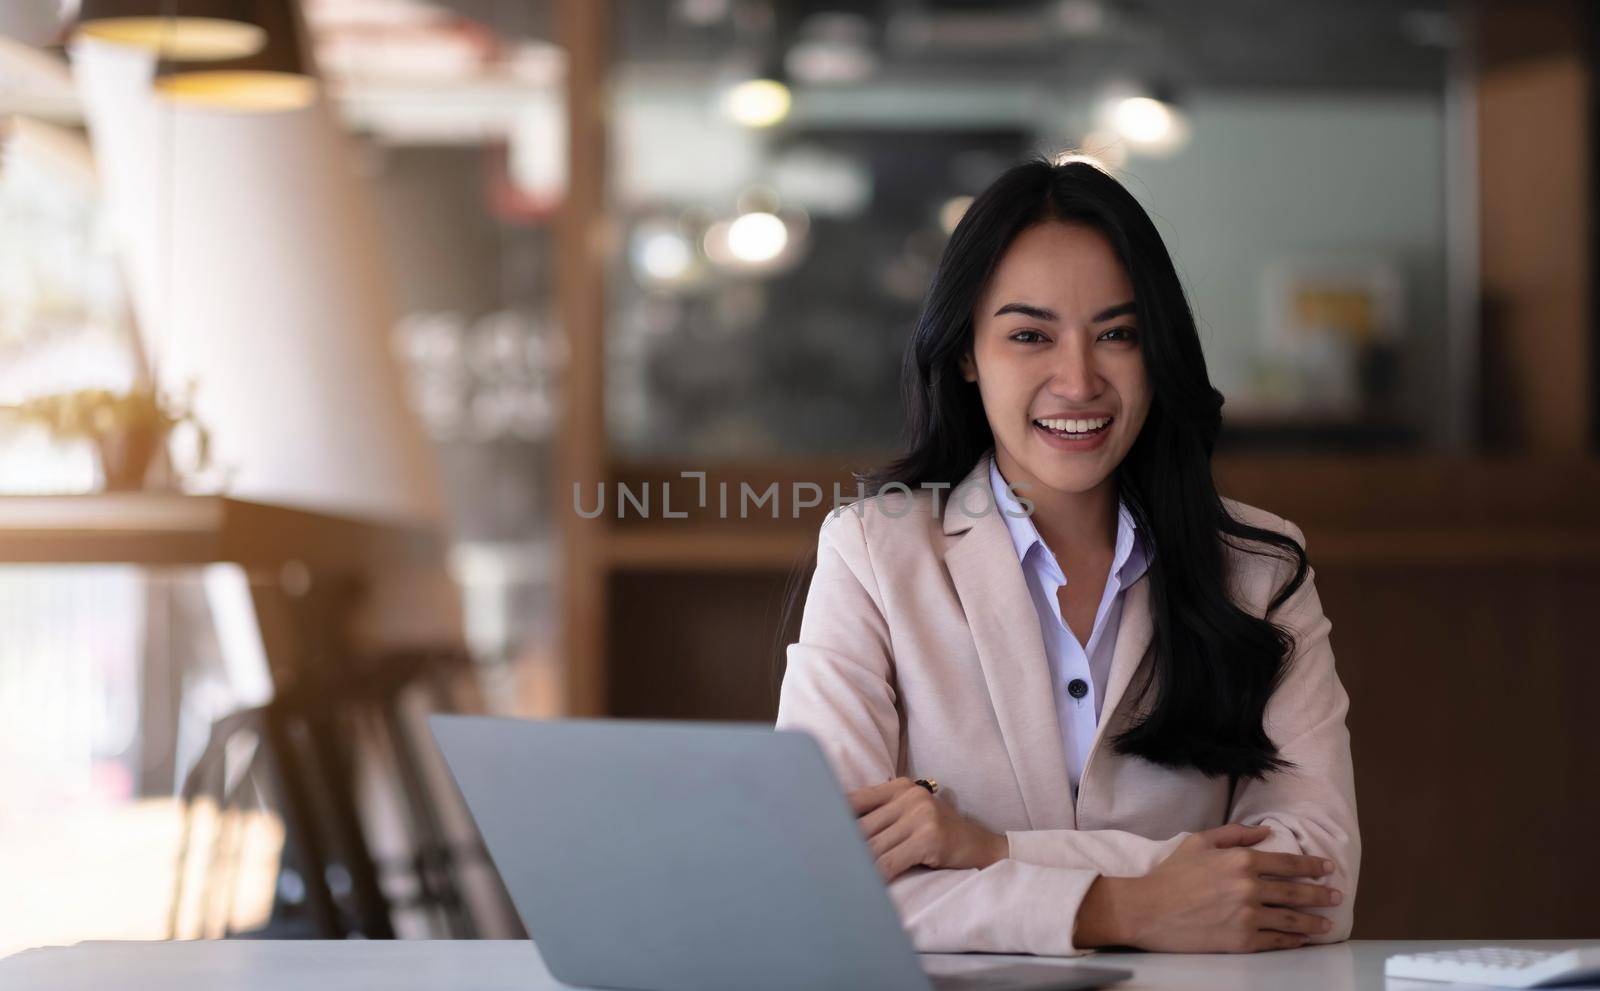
1115 311
1032 312
1040 313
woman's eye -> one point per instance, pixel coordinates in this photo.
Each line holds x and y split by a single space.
1128 334
1027 336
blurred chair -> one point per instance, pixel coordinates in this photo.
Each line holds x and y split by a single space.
323 754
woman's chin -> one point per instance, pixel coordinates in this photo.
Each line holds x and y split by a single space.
1067 479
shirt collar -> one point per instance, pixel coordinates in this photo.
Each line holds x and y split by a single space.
1128 562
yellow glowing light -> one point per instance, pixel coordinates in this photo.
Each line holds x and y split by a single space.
757 102
1143 120
182 39
757 237
240 90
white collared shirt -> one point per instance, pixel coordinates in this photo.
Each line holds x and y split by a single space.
1069 660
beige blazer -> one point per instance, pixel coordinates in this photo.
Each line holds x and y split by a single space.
920 654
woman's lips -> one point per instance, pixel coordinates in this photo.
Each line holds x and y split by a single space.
1074 443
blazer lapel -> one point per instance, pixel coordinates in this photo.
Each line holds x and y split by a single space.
1134 633
999 610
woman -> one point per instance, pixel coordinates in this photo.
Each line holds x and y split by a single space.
1115 685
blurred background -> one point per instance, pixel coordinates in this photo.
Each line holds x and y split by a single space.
314 312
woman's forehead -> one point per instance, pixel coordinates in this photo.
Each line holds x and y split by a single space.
1064 266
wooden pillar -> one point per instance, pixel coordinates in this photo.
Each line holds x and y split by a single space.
1534 135
581 449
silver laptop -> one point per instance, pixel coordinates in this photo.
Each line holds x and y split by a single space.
693 857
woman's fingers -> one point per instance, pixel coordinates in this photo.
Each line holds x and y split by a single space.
1289 921
892 811
864 800
1268 939
900 858
1236 834
1289 864
890 837
1297 893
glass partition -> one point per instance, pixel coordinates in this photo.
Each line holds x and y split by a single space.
784 177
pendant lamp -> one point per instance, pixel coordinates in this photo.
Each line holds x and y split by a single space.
178 30
242 55
281 75
256 272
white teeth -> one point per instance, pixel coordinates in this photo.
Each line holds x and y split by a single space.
1074 426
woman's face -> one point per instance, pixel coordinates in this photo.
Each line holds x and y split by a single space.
1057 360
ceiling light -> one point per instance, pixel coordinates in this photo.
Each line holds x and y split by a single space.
244 55
757 102
1143 120
1147 120
757 237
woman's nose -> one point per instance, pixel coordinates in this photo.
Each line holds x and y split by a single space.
1075 377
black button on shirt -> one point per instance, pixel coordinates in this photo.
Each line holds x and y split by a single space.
1077 688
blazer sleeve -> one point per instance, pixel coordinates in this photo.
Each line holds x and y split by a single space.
839 686
1311 808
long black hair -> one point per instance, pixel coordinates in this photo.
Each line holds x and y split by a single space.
1215 664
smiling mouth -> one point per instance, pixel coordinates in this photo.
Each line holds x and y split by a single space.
1075 429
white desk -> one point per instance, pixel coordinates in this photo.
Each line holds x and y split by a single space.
505 965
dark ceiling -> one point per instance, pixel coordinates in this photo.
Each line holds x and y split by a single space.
1203 44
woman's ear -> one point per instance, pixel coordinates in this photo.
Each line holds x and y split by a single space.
969 368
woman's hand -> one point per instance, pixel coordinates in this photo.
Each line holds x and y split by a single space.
1212 894
906 826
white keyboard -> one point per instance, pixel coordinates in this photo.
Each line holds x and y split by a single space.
1499 966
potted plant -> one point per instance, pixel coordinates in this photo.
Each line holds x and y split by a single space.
128 429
